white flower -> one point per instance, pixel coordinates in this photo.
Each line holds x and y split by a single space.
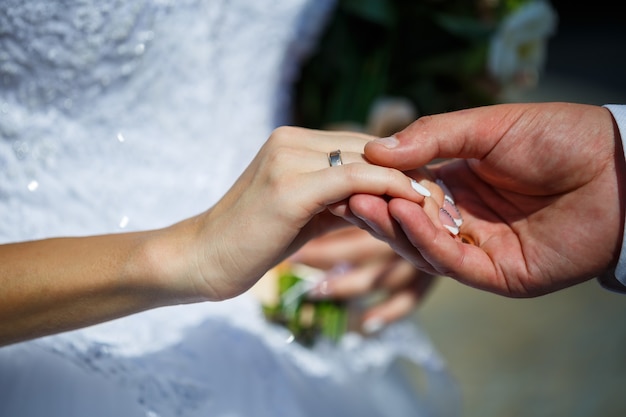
518 49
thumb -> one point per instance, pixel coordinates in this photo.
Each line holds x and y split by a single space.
470 133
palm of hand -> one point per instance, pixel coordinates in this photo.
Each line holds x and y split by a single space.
539 209
538 187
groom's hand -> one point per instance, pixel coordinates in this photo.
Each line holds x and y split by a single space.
540 188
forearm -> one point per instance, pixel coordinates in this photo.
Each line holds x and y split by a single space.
54 285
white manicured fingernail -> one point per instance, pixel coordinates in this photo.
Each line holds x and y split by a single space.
452 229
448 221
452 209
373 325
420 188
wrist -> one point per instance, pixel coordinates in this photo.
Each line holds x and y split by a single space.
166 264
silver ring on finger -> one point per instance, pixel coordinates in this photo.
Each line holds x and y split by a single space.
334 158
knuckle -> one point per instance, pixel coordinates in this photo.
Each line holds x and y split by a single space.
283 135
281 165
424 120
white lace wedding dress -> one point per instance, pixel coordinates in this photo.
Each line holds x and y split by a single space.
126 115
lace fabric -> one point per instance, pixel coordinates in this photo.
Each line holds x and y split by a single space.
95 93
131 115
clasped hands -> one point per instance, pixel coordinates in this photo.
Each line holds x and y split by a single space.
537 186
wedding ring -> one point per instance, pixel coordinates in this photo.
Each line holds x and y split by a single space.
334 158
467 239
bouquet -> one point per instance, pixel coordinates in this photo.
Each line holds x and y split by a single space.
283 295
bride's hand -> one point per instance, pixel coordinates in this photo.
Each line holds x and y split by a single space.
277 204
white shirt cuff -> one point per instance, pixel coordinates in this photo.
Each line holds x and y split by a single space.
619 114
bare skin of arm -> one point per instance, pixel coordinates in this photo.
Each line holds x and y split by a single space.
279 203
